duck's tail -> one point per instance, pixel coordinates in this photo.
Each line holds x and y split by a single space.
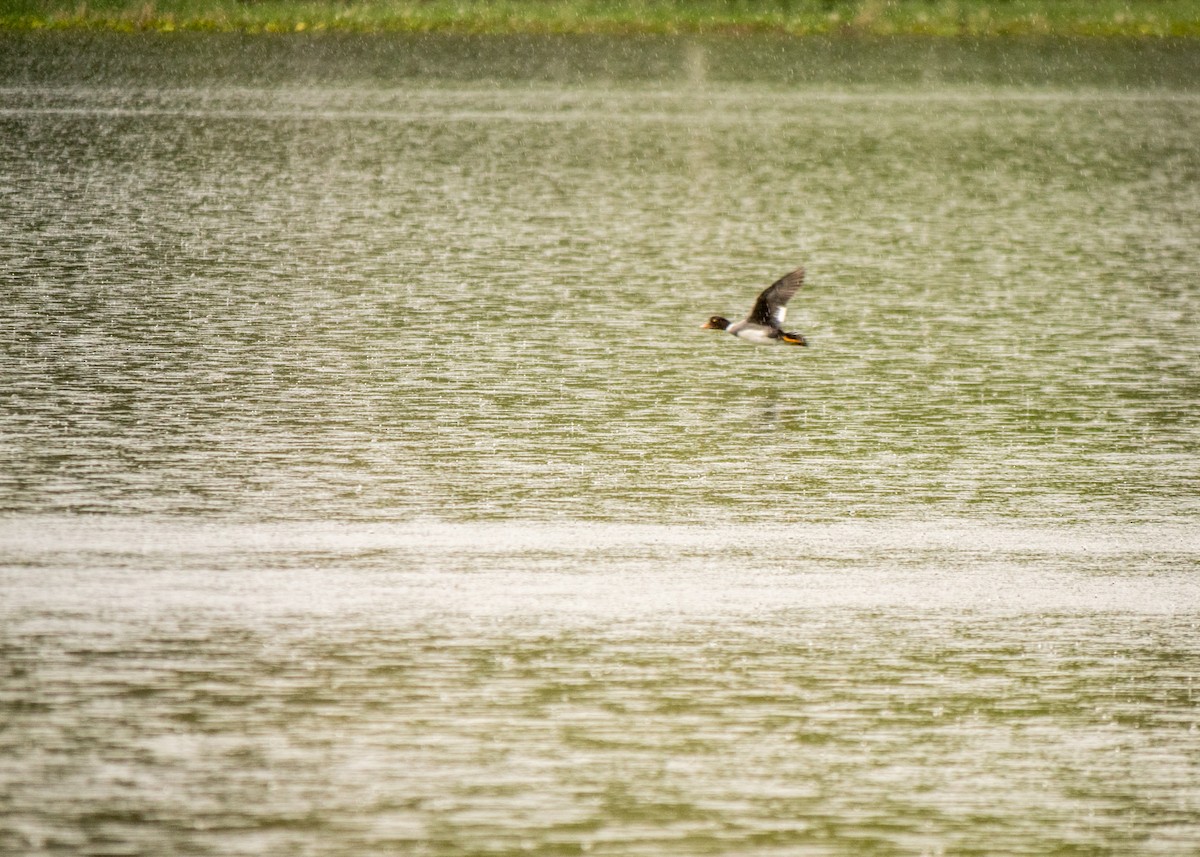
793 338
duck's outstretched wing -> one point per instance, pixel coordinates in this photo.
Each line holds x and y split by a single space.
771 306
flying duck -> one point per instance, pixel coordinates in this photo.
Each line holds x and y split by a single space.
764 324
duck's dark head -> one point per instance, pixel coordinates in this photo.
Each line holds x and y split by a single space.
716 323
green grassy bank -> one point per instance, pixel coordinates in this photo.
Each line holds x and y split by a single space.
1095 18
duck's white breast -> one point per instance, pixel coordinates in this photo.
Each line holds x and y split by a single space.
756 335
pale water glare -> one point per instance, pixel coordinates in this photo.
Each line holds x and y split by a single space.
368 485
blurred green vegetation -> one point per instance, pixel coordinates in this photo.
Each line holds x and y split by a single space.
1179 18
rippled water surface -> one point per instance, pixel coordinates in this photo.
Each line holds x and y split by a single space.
368 485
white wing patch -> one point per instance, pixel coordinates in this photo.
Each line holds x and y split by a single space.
780 315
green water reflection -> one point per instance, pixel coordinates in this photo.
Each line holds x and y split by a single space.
804 733
368 485
486 301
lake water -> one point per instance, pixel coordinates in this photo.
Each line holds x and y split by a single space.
369 487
